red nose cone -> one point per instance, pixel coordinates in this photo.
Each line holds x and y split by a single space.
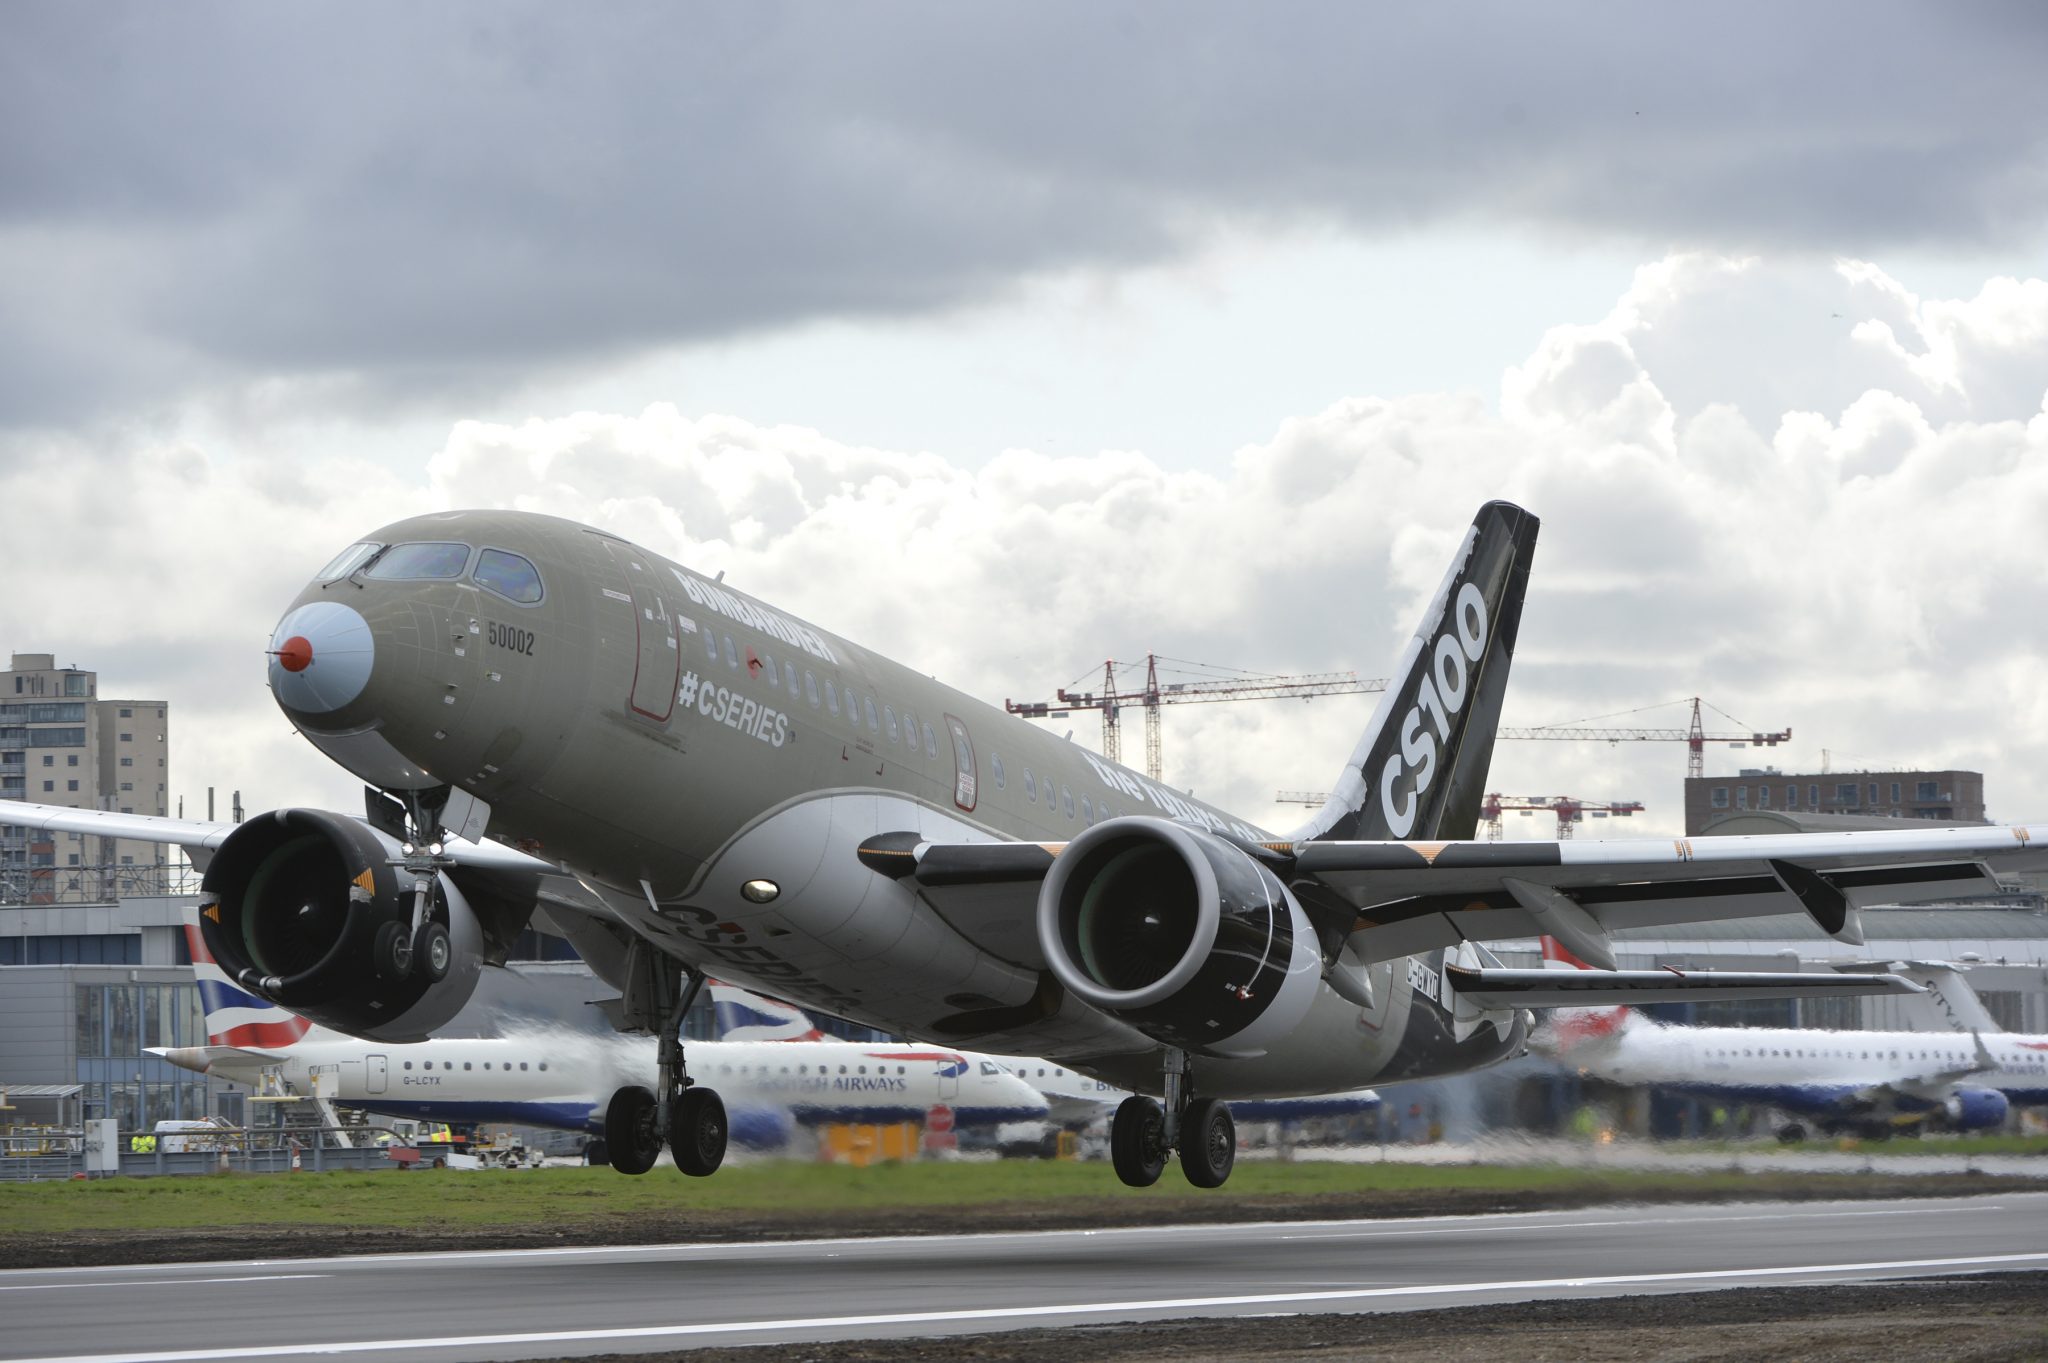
297 654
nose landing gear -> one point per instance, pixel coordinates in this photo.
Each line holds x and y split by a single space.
423 943
1200 1130
686 1117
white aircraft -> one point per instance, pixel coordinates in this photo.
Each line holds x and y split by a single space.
1865 1082
1074 1099
692 781
563 1079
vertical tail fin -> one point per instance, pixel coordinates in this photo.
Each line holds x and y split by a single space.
745 1016
1420 770
234 1017
1950 1003
1571 1026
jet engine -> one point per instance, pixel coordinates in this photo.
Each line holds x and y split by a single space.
1185 936
1975 1109
295 909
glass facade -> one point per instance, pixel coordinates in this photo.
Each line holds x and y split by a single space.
114 1024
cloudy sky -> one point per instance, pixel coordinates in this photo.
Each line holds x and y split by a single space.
1005 338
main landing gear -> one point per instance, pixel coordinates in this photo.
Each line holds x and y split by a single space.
1200 1129
689 1119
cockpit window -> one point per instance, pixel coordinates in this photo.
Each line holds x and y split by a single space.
348 560
509 575
421 560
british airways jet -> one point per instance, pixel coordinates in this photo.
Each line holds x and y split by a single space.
691 780
776 1076
1862 1082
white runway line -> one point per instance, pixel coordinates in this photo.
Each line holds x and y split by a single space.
1020 1313
162 1282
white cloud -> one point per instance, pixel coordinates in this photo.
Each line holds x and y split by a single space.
1851 554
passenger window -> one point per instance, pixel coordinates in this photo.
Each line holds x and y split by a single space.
1067 801
408 1064
889 718
831 698
789 676
995 766
874 720
509 575
910 730
416 561
732 655
1030 791
931 742
811 687
1087 811
1045 789
768 672
711 645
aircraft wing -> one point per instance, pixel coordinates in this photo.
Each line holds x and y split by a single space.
199 838
1393 899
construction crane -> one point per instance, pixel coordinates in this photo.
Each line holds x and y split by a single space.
1568 809
1695 738
1152 695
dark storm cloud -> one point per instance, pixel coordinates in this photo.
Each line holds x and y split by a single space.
427 196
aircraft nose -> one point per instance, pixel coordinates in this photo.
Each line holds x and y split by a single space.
320 658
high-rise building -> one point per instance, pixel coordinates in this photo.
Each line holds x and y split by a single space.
61 744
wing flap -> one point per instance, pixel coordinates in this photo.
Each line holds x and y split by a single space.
1506 989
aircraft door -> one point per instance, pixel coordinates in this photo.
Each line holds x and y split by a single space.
659 664
376 1073
963 764
950 1070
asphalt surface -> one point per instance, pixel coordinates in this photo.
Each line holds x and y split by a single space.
598 1300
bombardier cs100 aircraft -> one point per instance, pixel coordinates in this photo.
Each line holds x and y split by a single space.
687 779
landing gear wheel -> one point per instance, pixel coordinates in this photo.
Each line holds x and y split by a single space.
1208 1143
1791 1133
432 949
1137 1142
629 1134
391 950
697 1132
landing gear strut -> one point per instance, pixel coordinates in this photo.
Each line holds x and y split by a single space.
688 1118
400 948
1199 1129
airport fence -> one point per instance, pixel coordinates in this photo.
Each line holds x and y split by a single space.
60 1154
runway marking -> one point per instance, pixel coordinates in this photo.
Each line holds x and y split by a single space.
1596 1225
164 1282
726 1248
1031 1312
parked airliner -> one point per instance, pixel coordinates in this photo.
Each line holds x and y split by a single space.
563 1079
1862 1082
1074 1099
691 780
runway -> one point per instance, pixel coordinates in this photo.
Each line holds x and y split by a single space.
554 1303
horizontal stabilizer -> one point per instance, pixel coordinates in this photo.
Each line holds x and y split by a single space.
1506 989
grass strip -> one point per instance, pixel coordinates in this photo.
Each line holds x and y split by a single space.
430 1199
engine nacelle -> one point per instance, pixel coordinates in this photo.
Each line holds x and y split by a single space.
1975 1109
291 905
1183 935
